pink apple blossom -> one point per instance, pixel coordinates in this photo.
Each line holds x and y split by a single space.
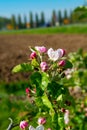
63 52
41 121
23 124
44 66
41 49
55 55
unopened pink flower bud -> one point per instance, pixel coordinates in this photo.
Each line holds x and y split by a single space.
41 121
33 55
41 49
28 90
23 124
62 63
44 66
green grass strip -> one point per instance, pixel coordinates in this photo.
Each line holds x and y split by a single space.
69 29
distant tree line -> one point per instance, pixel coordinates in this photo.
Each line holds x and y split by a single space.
31 22
57 18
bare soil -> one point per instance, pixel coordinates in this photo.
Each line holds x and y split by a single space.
14 49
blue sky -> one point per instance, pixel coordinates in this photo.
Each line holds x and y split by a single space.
9 7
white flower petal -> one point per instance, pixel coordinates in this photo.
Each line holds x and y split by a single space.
49 52
40 127
60 53
54 55
66 117
31 128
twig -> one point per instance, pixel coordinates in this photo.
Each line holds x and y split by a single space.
11 125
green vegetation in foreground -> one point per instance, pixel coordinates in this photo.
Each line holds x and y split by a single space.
12 102
68 29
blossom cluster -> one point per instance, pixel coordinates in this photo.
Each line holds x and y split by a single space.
50 64
53 55
41 122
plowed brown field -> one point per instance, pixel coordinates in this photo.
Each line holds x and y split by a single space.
14 49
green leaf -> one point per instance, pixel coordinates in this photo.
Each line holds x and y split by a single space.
46 101
22 68
45 80
35 63
61 121
55 124
40 80
60 100
68 64
54 89
36 80
39 101
60 97
48 104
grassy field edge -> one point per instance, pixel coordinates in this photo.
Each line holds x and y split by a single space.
51 30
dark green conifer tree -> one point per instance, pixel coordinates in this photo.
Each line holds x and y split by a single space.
13 21
70 17
36 20
20 25
59 17
31 20
25 21
42 22
54 18
65 14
